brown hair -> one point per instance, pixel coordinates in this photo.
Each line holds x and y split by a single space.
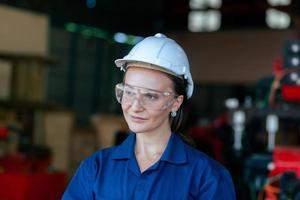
176 122
180 89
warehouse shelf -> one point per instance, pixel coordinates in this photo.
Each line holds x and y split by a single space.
45 59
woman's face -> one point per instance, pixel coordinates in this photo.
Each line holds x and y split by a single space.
139 118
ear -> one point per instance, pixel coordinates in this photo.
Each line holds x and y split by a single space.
177 103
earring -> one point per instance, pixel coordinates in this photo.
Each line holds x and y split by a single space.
173 114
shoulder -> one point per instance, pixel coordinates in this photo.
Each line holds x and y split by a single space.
95 161
202 163
99 156
81 184
210 177
107 155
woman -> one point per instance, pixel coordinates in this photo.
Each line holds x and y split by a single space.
153 162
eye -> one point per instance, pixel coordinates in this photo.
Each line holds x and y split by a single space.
151 96
129 92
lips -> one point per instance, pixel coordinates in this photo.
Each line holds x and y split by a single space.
137 118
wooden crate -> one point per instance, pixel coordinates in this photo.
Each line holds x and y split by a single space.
107 126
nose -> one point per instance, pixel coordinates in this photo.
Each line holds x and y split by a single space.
136 104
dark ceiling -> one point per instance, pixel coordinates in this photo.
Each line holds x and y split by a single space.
142 17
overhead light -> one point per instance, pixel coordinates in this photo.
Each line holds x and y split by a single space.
213 20
295 48
277 19
89 31
295 61
232 103
196 21
201 21
291 54
126 38
294 76
197 4
215 4
120 37
71 27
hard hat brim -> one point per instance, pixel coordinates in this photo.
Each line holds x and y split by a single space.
133 63
121 62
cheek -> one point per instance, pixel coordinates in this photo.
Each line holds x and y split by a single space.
159 115
125 111
124 107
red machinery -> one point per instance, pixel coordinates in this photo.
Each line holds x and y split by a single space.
284 179
27 176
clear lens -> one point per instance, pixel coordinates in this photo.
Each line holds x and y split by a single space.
119 92
149 99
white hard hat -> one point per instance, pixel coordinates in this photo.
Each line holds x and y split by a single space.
164 53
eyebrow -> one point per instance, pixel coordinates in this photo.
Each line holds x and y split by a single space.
132 86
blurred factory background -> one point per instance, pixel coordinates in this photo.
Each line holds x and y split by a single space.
57 78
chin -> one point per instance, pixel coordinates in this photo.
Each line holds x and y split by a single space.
138 128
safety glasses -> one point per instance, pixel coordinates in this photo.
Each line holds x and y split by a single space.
148 98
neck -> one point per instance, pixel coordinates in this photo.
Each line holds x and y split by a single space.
152 144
